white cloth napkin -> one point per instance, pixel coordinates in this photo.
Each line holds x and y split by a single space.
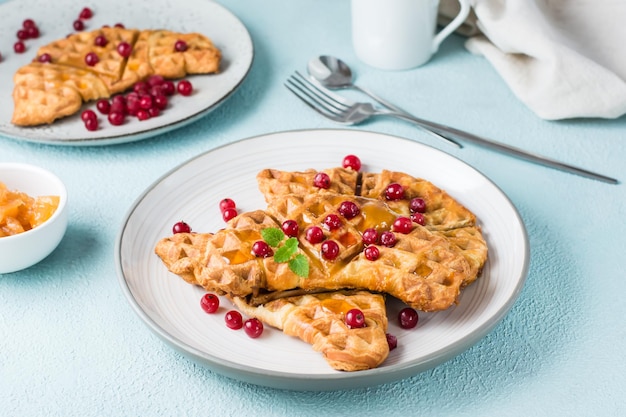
562 58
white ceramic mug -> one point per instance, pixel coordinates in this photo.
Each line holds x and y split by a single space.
399 34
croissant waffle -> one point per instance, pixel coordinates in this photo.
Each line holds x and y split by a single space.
38 101
423 269
319 321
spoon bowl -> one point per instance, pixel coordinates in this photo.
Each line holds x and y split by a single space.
331 72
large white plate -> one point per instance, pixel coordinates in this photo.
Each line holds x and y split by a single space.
55 18
191 192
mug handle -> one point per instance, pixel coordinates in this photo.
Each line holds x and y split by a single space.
453 25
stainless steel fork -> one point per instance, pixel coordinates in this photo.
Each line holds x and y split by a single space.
344 111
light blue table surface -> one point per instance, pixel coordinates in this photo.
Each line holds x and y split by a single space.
70 344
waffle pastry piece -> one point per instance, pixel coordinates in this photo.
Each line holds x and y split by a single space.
423 269
319 320
444 216
274 183
47 94
154 54
71 52
442 211
223 262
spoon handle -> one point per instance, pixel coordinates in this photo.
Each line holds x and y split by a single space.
397 109
503 148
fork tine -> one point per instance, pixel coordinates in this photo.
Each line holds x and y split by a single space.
310 100
334 100
315 95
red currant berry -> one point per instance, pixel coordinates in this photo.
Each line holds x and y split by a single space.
88 114
155 90
351 161
132 104
45 57
290 228
402 225
22 34
78 25
355 319
210 303
86 13
418 218
184 87
154 111
103 106
0 57
181 227
19 47
321 180
119 25
314 234
119 106
143 115
145 102
261 249
180 46
118 99
371 253
168 87
124 49
91 124
349 209
233 320
253 327
140 87
394 191
417 205
91 59
28 23
155 80
332 222
227 203
392 341
330 250
116 118
32 32
370 236
388 239
100 40
229 214
408 318
160 102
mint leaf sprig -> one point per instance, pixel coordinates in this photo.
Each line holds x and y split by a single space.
286 251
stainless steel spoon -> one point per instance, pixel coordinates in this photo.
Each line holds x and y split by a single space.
335 74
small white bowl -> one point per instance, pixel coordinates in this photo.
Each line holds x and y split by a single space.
25 249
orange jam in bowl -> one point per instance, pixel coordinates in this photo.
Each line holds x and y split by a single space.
20 212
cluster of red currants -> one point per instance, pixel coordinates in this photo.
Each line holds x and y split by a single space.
29 30
147 100
253 327
85 14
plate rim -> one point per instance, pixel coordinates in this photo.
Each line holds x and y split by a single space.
321 382
130 137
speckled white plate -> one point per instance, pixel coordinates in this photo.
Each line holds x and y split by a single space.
170 307
54 19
